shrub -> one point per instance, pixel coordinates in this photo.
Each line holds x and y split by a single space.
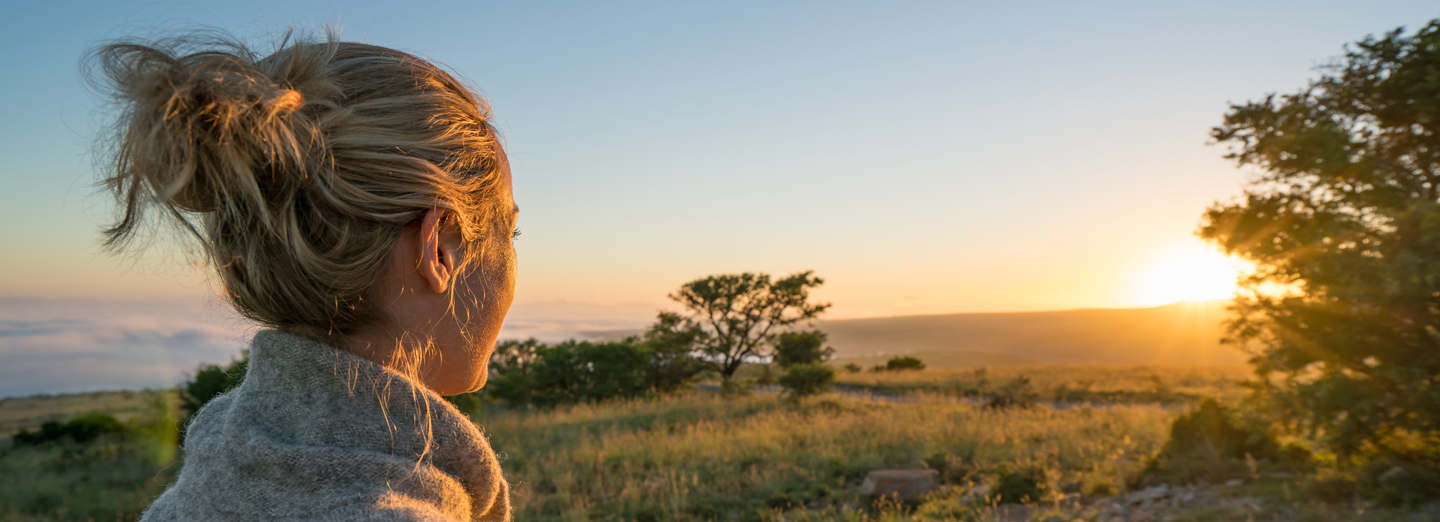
209 382
1015 393
1023 485
581 371
84 428
1214 443
852 368
569 372
807 379
904 362
467 403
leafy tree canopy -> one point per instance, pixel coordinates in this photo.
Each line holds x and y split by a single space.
804 347
1343 214
737 315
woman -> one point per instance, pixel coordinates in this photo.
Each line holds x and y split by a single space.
356 201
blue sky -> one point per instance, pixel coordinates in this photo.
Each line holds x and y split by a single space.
924 157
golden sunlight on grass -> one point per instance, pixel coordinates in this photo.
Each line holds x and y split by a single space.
1189 271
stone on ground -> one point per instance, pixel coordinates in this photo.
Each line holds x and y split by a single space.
905 484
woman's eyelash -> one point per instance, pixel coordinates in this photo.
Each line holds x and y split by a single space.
516 234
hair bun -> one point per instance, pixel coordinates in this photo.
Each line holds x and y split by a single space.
200 128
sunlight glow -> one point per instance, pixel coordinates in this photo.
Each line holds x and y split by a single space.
1187 272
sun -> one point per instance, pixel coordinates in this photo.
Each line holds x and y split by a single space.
1187 272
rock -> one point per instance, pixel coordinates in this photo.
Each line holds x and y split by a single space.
1148 494
979 493
904 484
1013 512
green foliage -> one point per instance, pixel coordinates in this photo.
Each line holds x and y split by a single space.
671 344
528 372
569 372
852 368
737 315
1345 216
804 380
209 382
1015 393
107 478
1030 484
1214 443
904 362
803 347
82 429
467 403
510 378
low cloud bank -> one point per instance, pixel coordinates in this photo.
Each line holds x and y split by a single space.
65 346
61 346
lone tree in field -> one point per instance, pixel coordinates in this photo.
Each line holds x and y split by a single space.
1345 214
738 315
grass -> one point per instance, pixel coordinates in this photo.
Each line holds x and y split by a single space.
1065 383
108 479
701 457
18 413
698 456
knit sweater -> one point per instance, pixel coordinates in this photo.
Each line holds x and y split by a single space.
315 433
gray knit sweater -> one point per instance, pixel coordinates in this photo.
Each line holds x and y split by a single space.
315 433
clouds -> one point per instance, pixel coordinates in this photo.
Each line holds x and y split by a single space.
76 345
59 346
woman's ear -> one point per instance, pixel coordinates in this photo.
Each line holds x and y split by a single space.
438 251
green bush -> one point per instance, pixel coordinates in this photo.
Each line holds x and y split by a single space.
904 362
467 403
530 373
1215 443
569 372
804 380
1015 393
1023 485
209 382
84 428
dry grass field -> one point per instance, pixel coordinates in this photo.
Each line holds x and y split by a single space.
29 412
1064 383
703 457
700 456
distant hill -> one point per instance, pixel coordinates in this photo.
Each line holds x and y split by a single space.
1180 333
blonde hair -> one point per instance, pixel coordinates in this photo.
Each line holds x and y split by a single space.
296 173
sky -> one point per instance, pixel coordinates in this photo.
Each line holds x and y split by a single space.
922 157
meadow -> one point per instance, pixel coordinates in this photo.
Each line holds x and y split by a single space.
1174 385
761 456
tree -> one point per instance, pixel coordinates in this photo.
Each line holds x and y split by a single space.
738 314
670 343
803 354
566 373
804 380
804 347
1342 316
